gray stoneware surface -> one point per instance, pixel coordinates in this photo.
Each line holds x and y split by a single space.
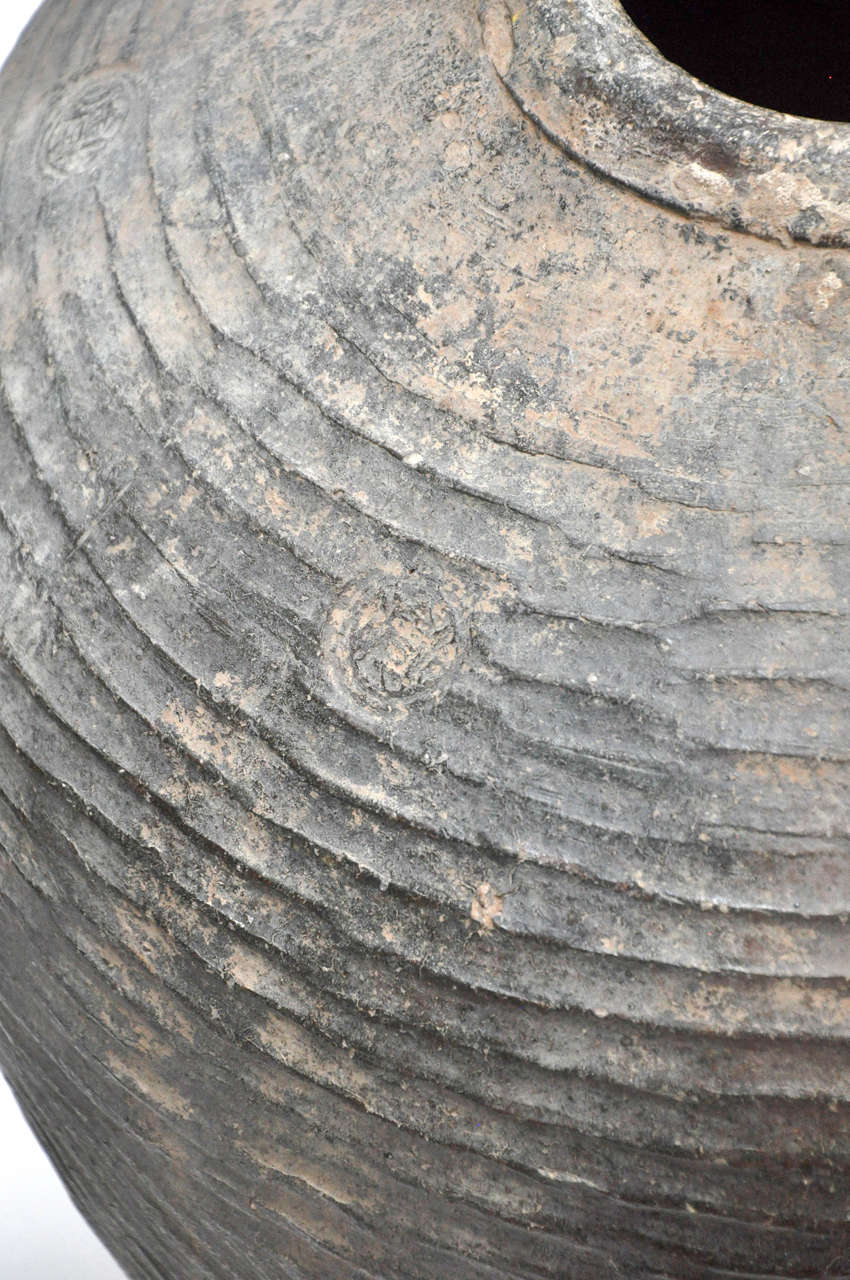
424 568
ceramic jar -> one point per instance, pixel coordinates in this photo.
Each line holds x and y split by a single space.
424 567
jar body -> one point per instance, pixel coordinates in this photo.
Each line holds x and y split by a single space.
424 751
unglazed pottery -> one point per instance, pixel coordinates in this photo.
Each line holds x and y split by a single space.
424 588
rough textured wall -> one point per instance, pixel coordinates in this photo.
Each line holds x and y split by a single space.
423 685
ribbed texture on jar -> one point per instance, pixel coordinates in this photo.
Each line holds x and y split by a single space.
424 748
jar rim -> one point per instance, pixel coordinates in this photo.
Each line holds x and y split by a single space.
598 88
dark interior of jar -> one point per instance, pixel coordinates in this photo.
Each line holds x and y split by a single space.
784 54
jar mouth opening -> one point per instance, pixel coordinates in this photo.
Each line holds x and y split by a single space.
770 53
594 83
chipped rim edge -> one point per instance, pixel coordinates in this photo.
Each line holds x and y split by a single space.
593 82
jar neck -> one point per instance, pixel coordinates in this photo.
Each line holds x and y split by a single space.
583 72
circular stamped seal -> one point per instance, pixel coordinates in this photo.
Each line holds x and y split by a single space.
83 124
392 640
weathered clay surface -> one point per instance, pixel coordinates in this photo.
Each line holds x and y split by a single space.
424 689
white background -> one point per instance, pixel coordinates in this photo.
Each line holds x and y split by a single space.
42 1237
